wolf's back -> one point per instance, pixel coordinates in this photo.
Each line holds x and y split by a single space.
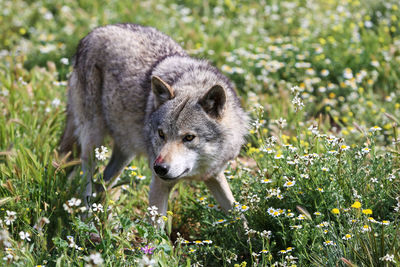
130 47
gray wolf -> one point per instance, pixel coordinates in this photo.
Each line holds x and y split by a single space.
139 86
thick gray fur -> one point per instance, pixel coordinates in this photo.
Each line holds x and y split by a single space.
140 87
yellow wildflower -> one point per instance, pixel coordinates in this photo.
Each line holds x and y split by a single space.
335 211
356 205
367 211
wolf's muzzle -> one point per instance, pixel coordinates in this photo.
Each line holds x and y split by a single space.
161 169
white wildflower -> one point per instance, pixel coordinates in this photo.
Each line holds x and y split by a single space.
329 243
97 207
140 177
24 236
266 234
348 73
74 202
281 123
289 183
146 261
368 24
324 72
67 208
295 90
94 259
374 129
298 103
387 257
155 217
10 217
101 153
365 228
314 129
56 102
375 63
365 150
64 61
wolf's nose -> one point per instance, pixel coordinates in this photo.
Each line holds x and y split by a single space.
161 169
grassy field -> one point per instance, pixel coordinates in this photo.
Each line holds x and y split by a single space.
318 180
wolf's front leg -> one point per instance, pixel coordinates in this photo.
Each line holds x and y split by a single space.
219 187
158 196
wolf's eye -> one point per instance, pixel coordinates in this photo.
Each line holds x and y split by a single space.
161 134
188 138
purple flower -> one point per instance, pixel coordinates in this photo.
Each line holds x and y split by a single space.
147 249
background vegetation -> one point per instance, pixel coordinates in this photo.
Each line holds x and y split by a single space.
318 180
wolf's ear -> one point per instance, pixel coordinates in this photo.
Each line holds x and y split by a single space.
213 101
162 90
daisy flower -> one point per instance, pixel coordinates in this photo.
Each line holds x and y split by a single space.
271 211
140 177
266 181
289 183
374 129
324 72
332 152
344 147
301 217
243 208
365 150
347 236
329 243
220 221
365 228
347 73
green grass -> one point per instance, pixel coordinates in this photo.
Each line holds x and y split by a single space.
321 189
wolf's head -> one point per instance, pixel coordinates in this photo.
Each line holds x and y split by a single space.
185 131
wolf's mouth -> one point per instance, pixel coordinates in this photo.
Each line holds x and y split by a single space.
166 178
